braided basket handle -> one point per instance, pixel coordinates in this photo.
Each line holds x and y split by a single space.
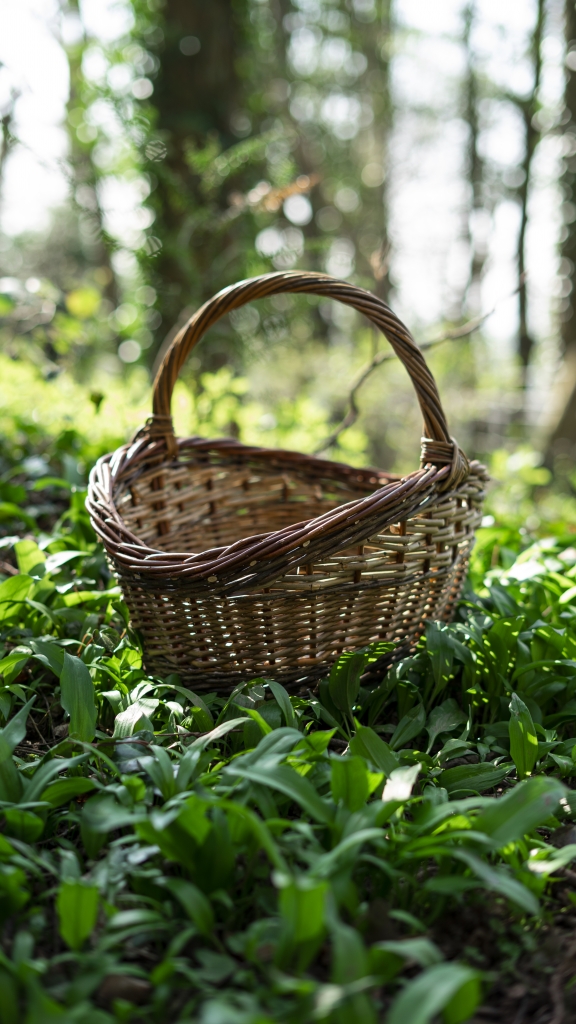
438 448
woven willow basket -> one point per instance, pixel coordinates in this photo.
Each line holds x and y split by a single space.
238 562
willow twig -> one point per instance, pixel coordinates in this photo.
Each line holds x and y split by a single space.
383 357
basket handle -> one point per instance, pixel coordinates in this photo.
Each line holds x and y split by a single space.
438 447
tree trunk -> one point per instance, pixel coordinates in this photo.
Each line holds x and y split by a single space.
561 447
198 92
474 172
528 108
84 173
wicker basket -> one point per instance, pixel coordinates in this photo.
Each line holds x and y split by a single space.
238 562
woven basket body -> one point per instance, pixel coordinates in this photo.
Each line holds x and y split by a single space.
237 562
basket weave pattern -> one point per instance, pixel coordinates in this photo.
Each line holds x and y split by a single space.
237 562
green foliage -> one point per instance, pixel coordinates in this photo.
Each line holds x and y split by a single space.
231 849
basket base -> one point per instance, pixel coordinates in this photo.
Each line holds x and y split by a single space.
365 616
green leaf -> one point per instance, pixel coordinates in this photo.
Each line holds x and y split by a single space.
77 698
349 958
28 555
48 654
463 1003
349 782
410 726
77 906
137 714
10 1007
282 698
473 777
194 902
13 663
64 790
419 950
440 651
302 905
368 744
13 593
499 880
401 783
287 781
10 736
344 681
523 738
444 718
257 717
526 807
432 992
22 824
161 770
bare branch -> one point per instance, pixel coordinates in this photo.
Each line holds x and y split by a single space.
382 357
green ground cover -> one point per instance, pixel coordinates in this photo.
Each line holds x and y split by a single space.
355 853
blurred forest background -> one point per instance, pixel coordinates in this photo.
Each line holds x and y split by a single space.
155 151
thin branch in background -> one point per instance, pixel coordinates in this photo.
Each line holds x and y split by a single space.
383 356
7 138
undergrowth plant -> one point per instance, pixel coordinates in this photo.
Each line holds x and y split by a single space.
260 856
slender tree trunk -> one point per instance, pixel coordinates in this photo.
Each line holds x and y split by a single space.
7 139
474 170
528 108
84 173
562 440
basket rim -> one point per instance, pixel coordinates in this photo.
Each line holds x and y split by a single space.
260 558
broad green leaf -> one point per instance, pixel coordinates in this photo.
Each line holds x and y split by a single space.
48 653
77 906
546 862
257 717
302 905
136 714
527 806
419 950
440 651
473 777
328 863
13 592
10 1011
500 880
201 721
349 782
77 697
287 781
410 726
9 510
444 718
10 736
64 790
195 903
431 992
568 596
28 555
349 957
161 770
344 681
368 744
48 771
463 1003
22 824
13 663
523 738
102 813
282 698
